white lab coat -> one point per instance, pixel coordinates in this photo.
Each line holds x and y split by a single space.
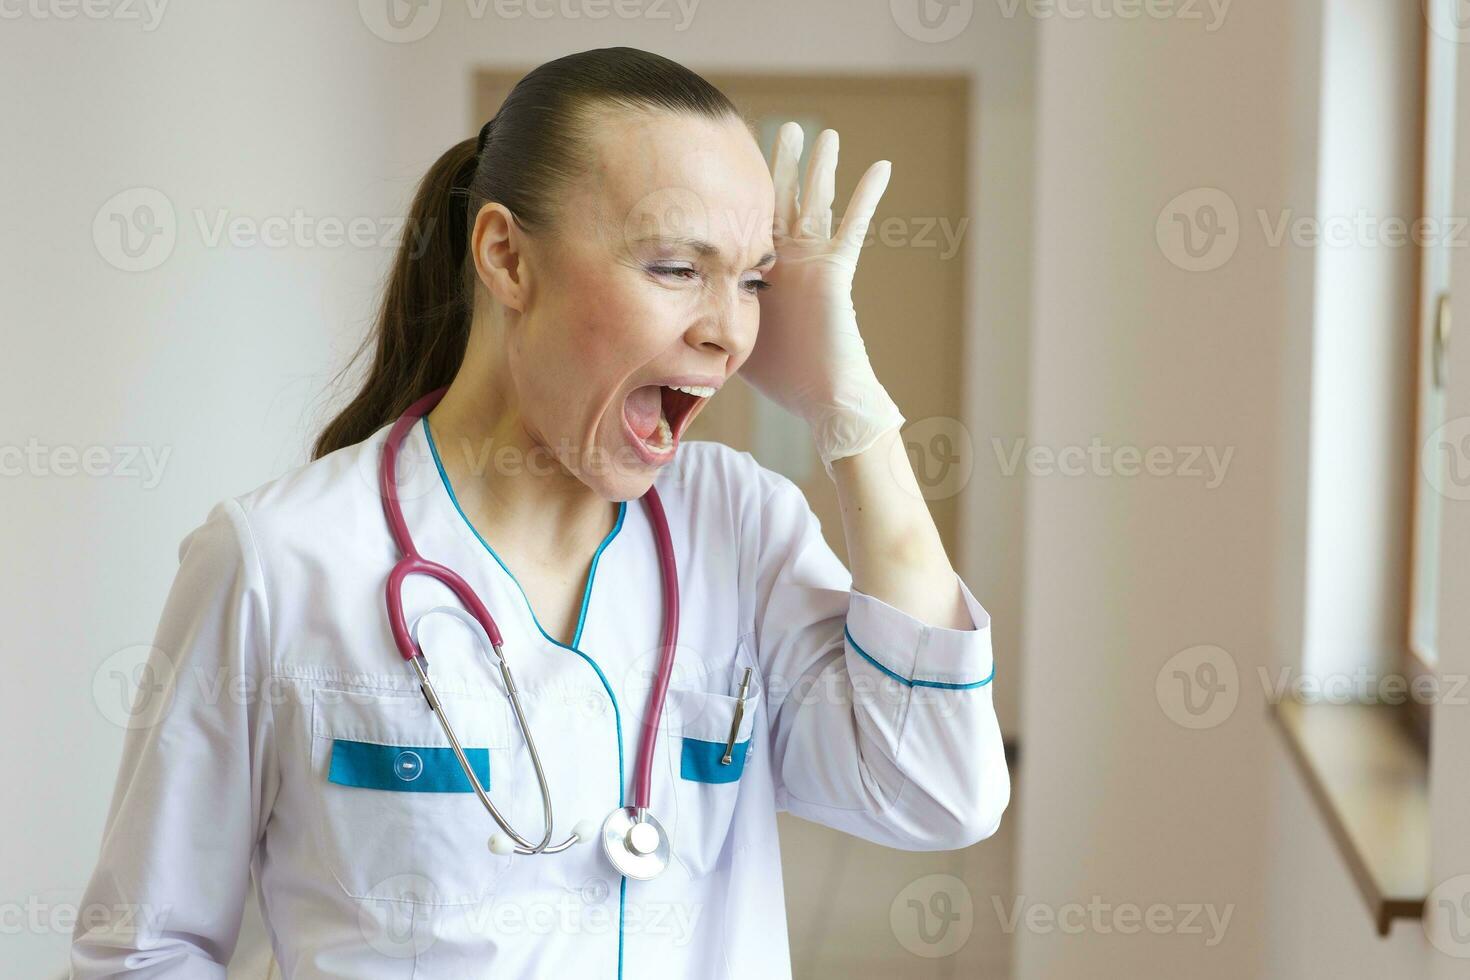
275 640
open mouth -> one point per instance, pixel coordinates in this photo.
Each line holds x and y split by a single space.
657 415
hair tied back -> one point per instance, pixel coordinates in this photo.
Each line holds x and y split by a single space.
485 134
460 189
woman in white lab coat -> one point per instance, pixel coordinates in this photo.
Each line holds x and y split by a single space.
613 234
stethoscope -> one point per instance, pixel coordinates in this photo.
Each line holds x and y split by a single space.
633 840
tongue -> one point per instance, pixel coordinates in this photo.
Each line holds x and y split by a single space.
644 408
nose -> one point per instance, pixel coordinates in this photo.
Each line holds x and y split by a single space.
727 323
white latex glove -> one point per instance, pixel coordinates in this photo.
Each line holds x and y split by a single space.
809 357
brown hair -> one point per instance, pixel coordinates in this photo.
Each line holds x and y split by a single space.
536 144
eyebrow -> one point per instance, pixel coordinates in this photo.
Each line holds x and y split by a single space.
700 246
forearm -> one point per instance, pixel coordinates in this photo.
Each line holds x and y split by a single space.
894 550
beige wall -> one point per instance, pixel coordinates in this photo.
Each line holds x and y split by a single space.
1121 801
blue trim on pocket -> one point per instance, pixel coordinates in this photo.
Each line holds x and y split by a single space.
405 768
700 761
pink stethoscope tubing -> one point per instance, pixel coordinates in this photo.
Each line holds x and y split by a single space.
413 563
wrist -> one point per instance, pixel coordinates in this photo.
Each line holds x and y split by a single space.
857 423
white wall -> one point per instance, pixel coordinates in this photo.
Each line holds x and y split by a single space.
213 357
219 355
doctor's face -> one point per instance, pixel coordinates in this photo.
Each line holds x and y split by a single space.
649 281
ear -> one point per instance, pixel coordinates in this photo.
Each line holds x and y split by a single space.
497 244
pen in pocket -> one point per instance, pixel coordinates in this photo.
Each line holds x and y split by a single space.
735 722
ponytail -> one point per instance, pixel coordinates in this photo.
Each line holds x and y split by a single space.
424 323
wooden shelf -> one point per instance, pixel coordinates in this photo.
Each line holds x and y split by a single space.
1371 781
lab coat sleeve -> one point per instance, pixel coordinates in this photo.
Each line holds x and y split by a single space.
881 725
197 776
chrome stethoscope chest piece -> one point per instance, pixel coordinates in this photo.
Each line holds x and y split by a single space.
635 844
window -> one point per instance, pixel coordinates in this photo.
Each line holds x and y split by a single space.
1442 463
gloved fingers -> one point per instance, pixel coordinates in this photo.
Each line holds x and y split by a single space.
820 187
784 159
860 209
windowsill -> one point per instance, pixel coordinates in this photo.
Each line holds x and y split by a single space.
1371 782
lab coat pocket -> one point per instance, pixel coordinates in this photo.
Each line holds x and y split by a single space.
707 766
396 817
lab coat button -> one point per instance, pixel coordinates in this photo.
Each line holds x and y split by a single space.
594 704
408 766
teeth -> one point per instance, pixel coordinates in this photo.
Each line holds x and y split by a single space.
663 436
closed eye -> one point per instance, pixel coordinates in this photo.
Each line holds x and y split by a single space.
752 285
